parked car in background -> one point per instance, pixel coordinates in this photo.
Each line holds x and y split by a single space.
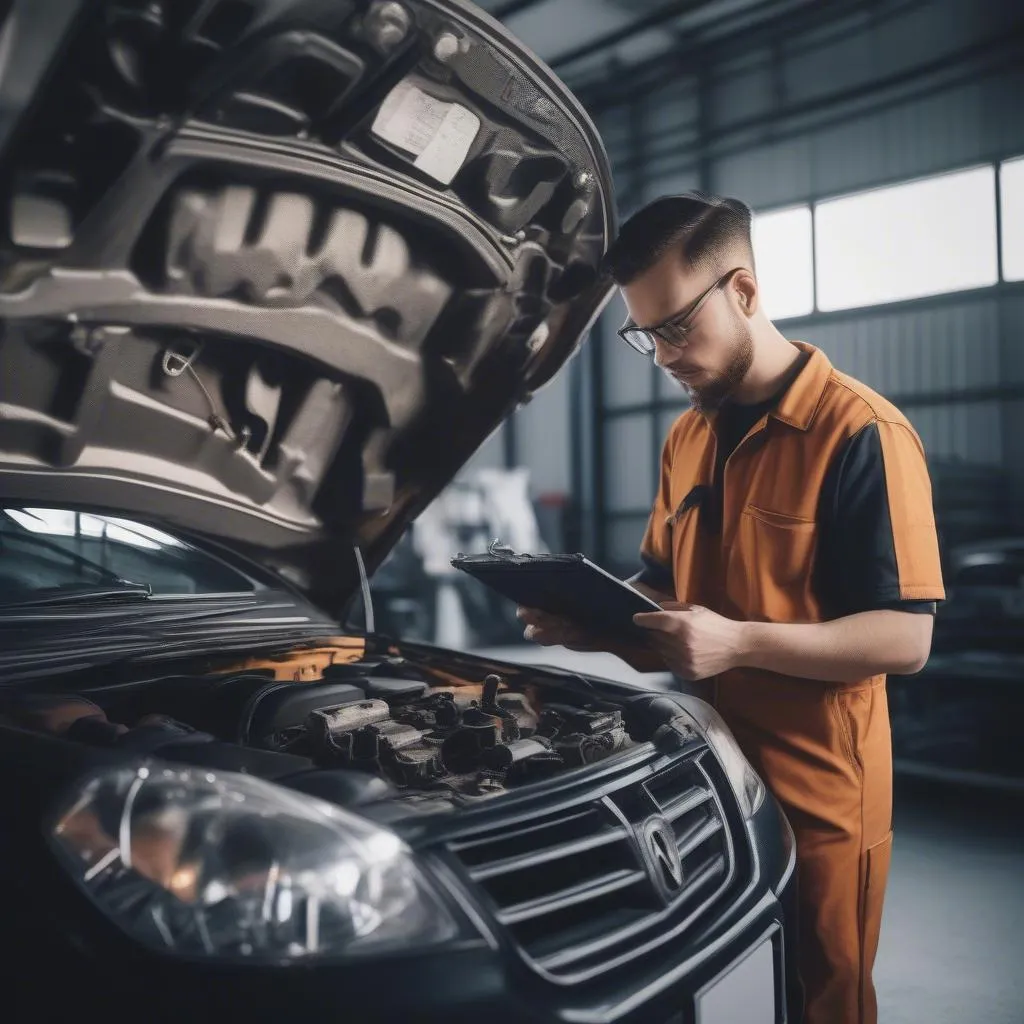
272 270
958 719
984 609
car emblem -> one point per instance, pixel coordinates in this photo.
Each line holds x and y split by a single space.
658 843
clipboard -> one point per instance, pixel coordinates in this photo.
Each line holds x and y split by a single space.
567 585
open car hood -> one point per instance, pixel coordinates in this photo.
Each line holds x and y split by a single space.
272 270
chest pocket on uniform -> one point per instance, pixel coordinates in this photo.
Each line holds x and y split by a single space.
770 568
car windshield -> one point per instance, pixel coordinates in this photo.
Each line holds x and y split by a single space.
48 550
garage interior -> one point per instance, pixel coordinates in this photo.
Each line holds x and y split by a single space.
881 147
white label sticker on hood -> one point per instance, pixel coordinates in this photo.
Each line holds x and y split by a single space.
439 134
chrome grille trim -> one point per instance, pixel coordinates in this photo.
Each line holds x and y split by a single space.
576 890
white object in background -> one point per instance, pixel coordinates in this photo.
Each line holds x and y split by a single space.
509 510
432 539
471 512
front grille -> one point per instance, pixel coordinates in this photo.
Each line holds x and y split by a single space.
578 890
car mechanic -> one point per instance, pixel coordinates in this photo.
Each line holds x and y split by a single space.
792 546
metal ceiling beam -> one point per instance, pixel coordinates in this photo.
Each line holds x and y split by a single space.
775 19
778 22
1001 51
514 7
657 18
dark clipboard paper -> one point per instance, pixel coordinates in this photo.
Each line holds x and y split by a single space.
570 586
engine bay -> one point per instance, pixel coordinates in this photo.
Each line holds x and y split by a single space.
384 730
471 741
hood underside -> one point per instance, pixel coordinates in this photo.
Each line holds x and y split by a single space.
272 270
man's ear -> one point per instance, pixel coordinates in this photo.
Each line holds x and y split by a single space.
744 285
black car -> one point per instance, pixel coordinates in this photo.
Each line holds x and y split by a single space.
271 270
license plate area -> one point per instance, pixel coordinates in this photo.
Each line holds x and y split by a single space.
749 991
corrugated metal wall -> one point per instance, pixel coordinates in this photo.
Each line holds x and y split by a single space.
890 97
923 352
909 90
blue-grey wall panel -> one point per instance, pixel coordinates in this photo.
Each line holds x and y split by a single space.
769 176
627 374
1013 449
1011 321
624 537
971 431
672 110
672 184
629 473
917 351
542 436
950 129
742 89
948 348
891 43
1011 328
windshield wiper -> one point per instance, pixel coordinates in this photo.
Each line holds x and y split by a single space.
77 593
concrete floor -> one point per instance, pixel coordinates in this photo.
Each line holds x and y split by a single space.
952 945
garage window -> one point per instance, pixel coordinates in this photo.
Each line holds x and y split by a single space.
925 237
784 254
1011 184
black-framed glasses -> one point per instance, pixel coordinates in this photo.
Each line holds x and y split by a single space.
676 328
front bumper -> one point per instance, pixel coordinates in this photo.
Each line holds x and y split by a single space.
736 964
739 977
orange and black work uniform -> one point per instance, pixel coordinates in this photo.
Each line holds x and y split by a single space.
810 507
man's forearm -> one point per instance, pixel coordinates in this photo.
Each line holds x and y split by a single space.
842 651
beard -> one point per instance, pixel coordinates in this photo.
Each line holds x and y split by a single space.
709 396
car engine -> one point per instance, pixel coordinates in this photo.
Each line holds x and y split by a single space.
473 741
447 744
385 731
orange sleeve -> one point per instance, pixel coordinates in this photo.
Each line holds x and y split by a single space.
911 513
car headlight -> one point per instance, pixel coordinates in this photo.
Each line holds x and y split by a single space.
745 782
225 865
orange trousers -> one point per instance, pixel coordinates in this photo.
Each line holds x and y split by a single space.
826 754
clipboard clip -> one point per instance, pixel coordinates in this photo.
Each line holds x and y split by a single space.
499 550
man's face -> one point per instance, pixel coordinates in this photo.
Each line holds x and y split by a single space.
717 351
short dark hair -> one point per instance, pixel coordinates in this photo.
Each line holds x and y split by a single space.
702 227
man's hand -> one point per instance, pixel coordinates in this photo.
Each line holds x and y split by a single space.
695 643
552 631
